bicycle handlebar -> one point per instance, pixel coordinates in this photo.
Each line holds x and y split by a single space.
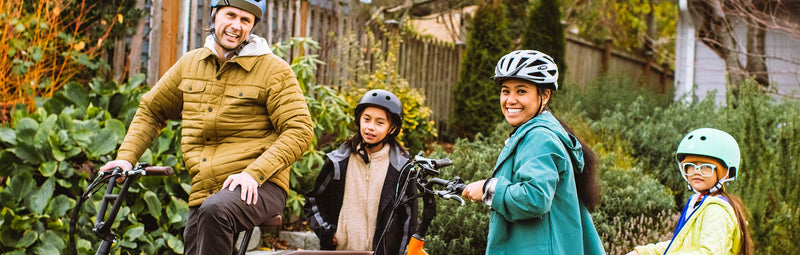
153 171
103 222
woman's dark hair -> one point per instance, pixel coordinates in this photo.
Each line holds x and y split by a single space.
354 141
586 181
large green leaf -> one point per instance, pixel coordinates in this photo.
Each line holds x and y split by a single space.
134 233
153 204
37 201
47 169
26 130
16 252
64 121
174 242
59 206
118 127
77 94
7 135
44 131
21 185
103 143
7 160
56 142
177 211
28 154
165 140
51 242
28 238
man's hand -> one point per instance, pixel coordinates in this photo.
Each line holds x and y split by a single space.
248 183
474 191
124 164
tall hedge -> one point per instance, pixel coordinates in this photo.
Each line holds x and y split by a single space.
546 34
475 96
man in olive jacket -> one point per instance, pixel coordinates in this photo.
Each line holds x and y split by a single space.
244 119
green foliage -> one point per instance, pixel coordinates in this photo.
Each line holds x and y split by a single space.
545 33
417 129
475 97
464 228
767 132
331 118
48 157
605 94
624 23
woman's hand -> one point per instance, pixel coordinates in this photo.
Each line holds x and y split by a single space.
474 191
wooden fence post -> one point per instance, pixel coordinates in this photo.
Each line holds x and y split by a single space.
135 56
170 11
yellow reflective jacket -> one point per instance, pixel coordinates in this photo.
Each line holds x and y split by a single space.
247 114
712 229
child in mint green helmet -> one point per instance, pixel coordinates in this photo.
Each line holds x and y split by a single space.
712 221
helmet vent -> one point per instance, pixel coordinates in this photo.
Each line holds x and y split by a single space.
388 98
702 138
374 94
690 137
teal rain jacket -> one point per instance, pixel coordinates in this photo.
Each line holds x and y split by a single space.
535 207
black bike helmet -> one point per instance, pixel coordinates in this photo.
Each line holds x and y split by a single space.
385 100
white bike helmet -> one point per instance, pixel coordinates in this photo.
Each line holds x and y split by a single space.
529 65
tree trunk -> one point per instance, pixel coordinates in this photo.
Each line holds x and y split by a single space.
717 33
756 63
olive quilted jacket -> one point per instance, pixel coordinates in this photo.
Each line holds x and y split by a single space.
246 114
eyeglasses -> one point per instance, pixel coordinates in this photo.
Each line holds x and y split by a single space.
705 170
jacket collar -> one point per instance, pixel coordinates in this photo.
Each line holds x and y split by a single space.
256 46
548 121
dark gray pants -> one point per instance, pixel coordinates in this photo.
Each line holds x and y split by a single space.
212 225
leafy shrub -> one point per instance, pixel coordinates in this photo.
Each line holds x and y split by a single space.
622 234
545 33
331 121
417 129
612 92
48 44
55 148
464 228
475 96
766 130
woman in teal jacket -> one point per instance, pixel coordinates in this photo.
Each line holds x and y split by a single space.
543 185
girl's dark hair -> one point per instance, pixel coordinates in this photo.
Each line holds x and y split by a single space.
585 182
742 213
354 141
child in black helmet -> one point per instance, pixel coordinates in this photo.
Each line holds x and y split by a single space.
352 199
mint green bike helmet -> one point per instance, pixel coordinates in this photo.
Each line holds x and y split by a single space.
713 143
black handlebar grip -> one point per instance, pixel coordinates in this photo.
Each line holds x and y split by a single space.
439 163
459 187
159 170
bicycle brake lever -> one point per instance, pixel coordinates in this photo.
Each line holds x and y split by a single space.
454 197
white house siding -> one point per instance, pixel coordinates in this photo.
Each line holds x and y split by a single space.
709 69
